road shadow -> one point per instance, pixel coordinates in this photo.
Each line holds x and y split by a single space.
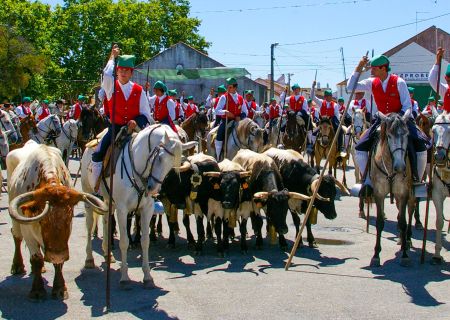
142 305
415 278
14 303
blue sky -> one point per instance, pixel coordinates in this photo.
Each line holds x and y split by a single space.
241 32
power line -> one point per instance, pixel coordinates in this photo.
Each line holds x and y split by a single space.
364 33
286 7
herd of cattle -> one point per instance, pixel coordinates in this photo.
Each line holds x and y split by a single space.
152 165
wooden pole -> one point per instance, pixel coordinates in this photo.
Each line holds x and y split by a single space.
307 125
111 189
225 149
316 190
368 203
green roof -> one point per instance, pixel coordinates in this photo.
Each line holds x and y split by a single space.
189 74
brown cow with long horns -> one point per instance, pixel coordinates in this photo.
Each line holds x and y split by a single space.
41 207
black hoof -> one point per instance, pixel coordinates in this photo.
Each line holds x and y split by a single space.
60 294
312 244
18 270
37 295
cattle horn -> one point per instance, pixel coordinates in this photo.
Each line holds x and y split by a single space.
184 167
18 201
213 174
342 187
298 196
261 195
95 202
245 174
318 196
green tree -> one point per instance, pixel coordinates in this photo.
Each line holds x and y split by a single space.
19 62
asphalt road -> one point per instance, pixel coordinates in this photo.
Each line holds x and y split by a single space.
333 281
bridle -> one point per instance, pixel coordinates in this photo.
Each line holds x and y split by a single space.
49 133
236 139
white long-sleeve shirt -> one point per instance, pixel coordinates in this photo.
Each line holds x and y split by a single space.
20 113
221 106
209 101
366 85
432 79
286 101
108 86
319 102
248 106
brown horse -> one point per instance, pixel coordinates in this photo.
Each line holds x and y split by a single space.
323 145
90 123
295 133
195 127
27 127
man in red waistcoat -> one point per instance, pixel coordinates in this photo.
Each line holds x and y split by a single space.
430 108
414 104
24 110
444 88
390 93
231 106
75 110
220 92
275 112
163 105
190 108
250 103
179 114
329 108
131 104
42 111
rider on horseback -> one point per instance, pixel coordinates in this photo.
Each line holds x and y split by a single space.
230 106
162 105
131 104
328 108
391 95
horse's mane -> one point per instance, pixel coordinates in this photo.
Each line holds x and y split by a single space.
391 122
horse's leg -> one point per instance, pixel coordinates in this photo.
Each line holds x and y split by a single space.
171 242
146 215
375 262
89 262
123 244
418 224
153 229
159 226
344 168
361 208
438 200
403 231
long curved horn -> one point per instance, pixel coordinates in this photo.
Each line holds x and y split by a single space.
213 174
342 187
261 195
298 196
95 202
184 167
318 196
18 201
245 174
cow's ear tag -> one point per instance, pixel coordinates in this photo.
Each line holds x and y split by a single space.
245 185
216 186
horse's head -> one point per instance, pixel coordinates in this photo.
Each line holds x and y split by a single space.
28 124
326 131
258 118
54 124
201 121
359 123
394 135
255 136
86 124
8 127
441 136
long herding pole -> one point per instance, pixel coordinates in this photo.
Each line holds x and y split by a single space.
316 190
111 189
281 120
368 202
225 149
430 176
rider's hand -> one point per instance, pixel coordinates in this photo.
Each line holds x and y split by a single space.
115 51
439 54
362 63
314 84
147 85
229 114
131 125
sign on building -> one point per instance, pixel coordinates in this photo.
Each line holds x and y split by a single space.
414 76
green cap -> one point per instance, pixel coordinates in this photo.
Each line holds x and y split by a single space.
380 61
126 61
26 99
309 100
160 85
221 89
45 101
295 86
431 99
286 106
341 99
447 73
273 99
81 98
441 102
231 81
249 92
328 93
411 89
190 98
172 93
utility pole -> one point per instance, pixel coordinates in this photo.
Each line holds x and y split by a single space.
343 64
272 59
289 82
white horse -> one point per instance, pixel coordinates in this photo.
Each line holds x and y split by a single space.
441 179
7 126
275 134
66 139
47 128
354 132
258 118
141 167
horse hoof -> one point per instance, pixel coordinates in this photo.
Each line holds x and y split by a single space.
405 262
362 215
37 295
18 270
312 244
89 264
149 284
436 261
60 294
418 226
375 262
125 285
